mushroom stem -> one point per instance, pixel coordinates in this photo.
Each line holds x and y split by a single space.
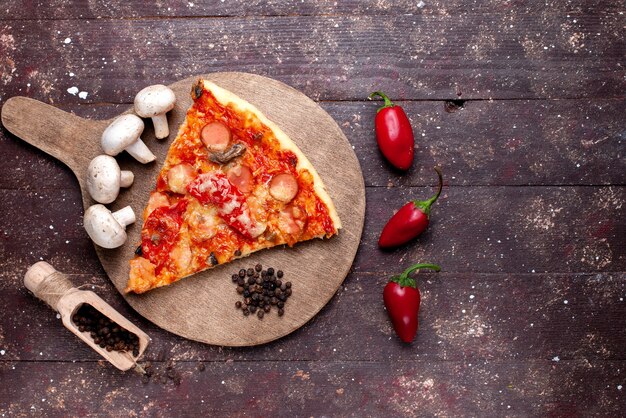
161 128
126 178
125 216
140 152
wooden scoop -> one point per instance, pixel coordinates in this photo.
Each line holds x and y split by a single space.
55 289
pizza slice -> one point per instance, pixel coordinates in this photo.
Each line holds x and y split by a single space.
232 183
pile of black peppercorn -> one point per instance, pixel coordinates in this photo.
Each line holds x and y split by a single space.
104 332
261 290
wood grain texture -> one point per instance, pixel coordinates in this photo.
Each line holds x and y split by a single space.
473 229
201 307
329 388
468 56
498 143
135 9
486 143
521 317
534 160
70 139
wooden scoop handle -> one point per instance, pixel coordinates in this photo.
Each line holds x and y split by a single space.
64 136
57 291
47 283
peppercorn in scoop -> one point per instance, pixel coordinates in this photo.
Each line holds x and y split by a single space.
104 332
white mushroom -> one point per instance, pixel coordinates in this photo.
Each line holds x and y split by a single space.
154 102
107 229
104 179
124 133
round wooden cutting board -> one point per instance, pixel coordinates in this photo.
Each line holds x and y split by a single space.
202 307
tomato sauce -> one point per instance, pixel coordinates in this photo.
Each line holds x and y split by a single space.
160 232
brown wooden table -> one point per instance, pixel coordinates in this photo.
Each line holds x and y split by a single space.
521 103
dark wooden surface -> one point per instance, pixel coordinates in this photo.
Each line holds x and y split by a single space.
527 318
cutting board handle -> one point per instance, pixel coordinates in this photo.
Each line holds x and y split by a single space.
60 134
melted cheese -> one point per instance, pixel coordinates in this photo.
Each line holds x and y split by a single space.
181 254
230 205
202 221
179 177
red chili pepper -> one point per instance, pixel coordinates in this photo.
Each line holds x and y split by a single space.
402 299
394 133
410 221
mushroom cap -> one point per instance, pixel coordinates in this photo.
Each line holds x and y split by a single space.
103 179
103 228
154 100
121 133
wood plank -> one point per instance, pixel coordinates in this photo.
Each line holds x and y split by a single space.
473 229
481 56
416 388
133 9
539 142
45 227
464 317
505 229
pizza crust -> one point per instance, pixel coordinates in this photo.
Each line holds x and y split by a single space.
226 97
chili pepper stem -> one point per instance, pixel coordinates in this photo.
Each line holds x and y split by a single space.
424 205
388 102
405 281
